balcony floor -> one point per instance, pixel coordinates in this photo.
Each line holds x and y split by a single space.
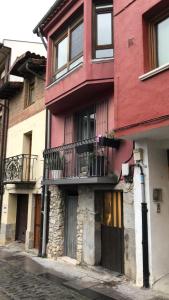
81 180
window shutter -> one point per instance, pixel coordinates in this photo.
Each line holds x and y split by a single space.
69 129
102 118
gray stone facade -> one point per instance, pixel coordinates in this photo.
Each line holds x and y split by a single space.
55 247
89 227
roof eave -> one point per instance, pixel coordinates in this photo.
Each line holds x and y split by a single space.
49 12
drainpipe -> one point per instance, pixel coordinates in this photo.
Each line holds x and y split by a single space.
44 208
4 129
45 188
42 38
144 212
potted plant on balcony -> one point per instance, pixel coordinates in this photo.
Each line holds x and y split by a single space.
56 164
109 140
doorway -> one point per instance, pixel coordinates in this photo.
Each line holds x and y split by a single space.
37 221
70 225
110 207
21 217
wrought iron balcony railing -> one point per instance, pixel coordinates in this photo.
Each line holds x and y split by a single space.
85 159
20 169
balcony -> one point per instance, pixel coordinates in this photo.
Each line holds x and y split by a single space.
79 163
20 169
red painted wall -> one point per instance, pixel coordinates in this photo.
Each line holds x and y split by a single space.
90 83
136 101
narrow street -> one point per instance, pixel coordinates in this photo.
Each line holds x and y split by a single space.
24 276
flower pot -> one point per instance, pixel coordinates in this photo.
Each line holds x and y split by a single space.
109 142
56 174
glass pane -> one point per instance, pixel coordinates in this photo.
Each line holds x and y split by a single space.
92 125
105 53
76 41
163 42
76 63
62 53
107 209
84 128
104 29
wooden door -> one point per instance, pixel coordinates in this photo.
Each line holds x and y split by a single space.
112 235
70 225
37 221
21 217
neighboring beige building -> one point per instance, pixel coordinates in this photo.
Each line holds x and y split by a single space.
23 167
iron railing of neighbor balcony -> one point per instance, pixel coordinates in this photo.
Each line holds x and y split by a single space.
86 158
20 168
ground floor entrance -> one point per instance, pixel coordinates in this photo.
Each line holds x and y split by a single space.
37 221
110 205
71 201
21 217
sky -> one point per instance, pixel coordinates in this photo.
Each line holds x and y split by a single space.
18 18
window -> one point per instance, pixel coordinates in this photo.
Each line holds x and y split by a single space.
86 124
30 94
103 33
162 29
159 41
68 49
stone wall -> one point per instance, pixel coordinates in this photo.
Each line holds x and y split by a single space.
55 247
80 220
129 230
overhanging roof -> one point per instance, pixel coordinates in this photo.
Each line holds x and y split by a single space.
49 15
4 52
36 62
10 89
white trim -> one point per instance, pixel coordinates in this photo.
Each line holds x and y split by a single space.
102 60
154 72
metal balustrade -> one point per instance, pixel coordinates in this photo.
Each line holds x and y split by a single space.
77 160
20 168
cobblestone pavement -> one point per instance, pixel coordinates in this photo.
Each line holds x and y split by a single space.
25 276
16 282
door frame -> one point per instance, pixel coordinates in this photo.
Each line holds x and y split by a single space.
37 198
18 216
98 211
67 195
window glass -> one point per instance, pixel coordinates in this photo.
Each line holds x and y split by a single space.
105 53
104 29
86 125
62 53
76 41
163 42
92 125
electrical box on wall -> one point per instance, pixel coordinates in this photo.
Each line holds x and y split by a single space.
138 155
157 195
125 169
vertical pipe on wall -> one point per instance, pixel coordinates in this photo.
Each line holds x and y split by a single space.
144 211
45 190
4 129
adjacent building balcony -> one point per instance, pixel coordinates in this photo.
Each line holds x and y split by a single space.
20 169
82 162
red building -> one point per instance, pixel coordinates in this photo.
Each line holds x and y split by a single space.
91 218
141 109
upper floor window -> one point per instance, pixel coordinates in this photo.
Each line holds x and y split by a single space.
30 92
159 40
162 29
103 31
68 49
86 124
